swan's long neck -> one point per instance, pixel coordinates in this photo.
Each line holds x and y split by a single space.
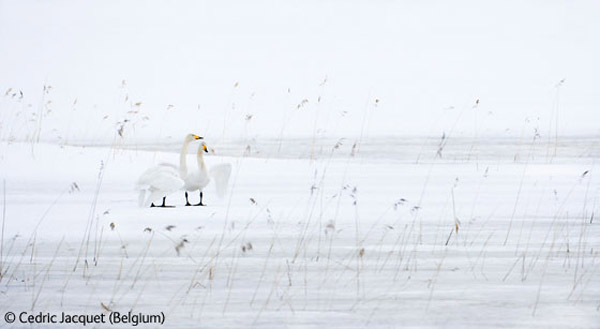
200 158
183 158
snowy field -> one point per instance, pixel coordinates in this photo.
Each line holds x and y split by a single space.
395 164
506 239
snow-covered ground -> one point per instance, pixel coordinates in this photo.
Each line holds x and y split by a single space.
346 238
395 163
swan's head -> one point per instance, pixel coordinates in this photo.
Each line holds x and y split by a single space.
203 148
191 137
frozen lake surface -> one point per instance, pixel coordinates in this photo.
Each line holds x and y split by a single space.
386 233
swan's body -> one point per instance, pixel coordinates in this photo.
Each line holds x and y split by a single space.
198 179
159 181
156 183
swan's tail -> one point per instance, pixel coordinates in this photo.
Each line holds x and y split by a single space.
220 173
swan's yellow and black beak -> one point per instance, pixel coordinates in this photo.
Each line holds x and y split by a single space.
205 148
197 137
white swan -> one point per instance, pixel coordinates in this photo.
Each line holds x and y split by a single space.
159 181
197 180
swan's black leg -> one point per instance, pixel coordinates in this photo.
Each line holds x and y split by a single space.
200 203
164 205
187 203
152 205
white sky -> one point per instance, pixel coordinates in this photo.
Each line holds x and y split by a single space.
420 58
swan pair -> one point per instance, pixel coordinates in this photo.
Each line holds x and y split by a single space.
164 179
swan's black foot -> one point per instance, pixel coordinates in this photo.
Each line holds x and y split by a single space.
187 202
163 204
200 203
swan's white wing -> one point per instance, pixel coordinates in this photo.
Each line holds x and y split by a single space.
148 176
167 181
166 164
220 174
